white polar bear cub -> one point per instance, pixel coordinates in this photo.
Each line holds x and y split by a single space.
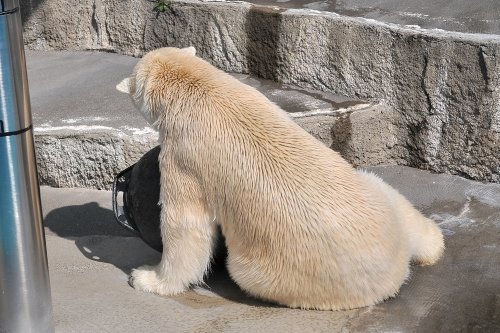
302 227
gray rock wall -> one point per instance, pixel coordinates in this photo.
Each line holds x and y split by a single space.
442 89
91 160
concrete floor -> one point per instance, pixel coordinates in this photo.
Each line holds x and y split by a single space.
90 258
479 16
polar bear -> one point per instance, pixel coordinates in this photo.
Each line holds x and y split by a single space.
303 228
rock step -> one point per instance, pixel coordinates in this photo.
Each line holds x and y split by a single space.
86 131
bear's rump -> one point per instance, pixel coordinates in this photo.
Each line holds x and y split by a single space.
297 268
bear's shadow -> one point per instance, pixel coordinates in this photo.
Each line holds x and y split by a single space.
99 238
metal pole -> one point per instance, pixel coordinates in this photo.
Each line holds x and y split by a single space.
25 300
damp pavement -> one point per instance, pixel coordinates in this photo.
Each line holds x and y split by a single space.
479 16
90 257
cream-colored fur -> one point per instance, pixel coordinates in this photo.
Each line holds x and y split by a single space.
302 227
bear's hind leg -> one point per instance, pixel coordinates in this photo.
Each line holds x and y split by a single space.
188 234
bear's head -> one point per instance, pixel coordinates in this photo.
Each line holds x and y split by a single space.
146 87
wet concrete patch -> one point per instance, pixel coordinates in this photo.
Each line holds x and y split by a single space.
299 100
482 16
463 289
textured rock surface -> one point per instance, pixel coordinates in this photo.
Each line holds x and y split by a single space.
93 158
444 87
368 137
89 160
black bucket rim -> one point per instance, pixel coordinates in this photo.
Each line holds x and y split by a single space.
122 215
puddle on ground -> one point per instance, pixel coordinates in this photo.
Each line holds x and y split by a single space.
325 5
293 99
463 16
452 216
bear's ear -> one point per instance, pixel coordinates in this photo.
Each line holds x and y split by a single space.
190 50
123 86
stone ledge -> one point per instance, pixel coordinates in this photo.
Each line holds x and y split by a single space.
444 87
91 159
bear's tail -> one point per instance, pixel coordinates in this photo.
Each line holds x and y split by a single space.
426 239
424 235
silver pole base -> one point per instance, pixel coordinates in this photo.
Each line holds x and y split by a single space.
25 300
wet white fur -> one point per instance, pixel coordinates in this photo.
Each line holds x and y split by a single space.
303 228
